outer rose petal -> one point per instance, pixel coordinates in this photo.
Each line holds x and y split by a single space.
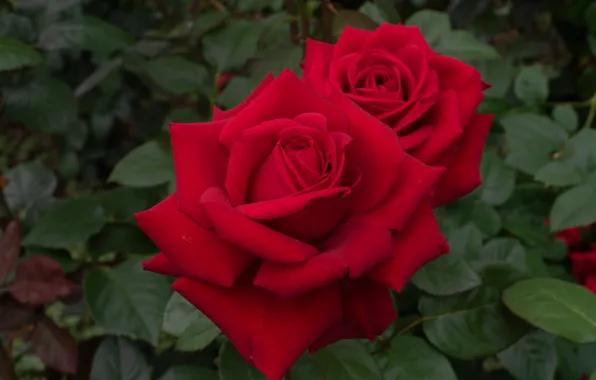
393 38
161 265
221 115
367 312
375 150
420 242
415 182
316 65
193 251
274 331
463 173
583 265
591 283
352 249
350 41
285 98
234 227
200 162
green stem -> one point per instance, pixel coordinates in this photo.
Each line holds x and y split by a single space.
591 113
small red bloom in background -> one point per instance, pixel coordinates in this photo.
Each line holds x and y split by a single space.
429 100
297 213
222 80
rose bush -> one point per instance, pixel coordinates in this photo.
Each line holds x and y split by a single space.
428 99
297 213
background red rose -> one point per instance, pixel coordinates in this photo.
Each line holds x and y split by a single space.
429 100
296 213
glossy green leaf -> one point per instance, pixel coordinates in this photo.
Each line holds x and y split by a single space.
486 218
234 367
178 75
145 166
533 357
575 360
127 300
233 45
575 207
347 360
179 314
389 11
433 24
411 358
373 11
498 179
555 306
123 238
446 275
187 372
566 116
119 359
198 335
67 224
235 91
463 45
531 85
15 54
28 183
466 242
506 250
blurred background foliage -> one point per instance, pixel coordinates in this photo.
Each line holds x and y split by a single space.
87 91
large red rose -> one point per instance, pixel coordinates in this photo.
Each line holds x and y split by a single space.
429 100
296 214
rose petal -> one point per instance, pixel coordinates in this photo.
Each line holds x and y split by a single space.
351 250
463 173
231 225
420 242
414 184
317 59
393 38
591 283
274 332
193 251
367 312
374 150
350 41
200 162
221 115
285 98
583 265
161 265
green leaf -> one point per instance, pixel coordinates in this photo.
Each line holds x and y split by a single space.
593 376
531 139
14 54
486 218
346 360
575 360
531 85
47 104
446 275
230 47
145 166
556 306
504 249
178 75
387 8
411 358
237 89
355 19
275 61
566 117
127 300
233 367
187 372
573 208
208 20
498 179
432 24
179 315
372 11
198 335
559 173
62 35
67 224
498 73
120 204
119 359
463 45
466 242
28 183
469 326
123 238
533 357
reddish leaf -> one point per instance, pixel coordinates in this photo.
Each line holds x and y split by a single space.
55 346
14 316
10 247
6 370
40 280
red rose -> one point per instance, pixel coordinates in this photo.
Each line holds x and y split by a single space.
583 267
295 214
429 100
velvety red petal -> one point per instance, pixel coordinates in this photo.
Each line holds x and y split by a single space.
161 265
583 265
393 38
351 250
200 162
261 240
463 173
285 98
464 79
194 252
591 283
317 59
273 332
367 312
414 184
375 150
418 243
218 114
444 117
350 41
